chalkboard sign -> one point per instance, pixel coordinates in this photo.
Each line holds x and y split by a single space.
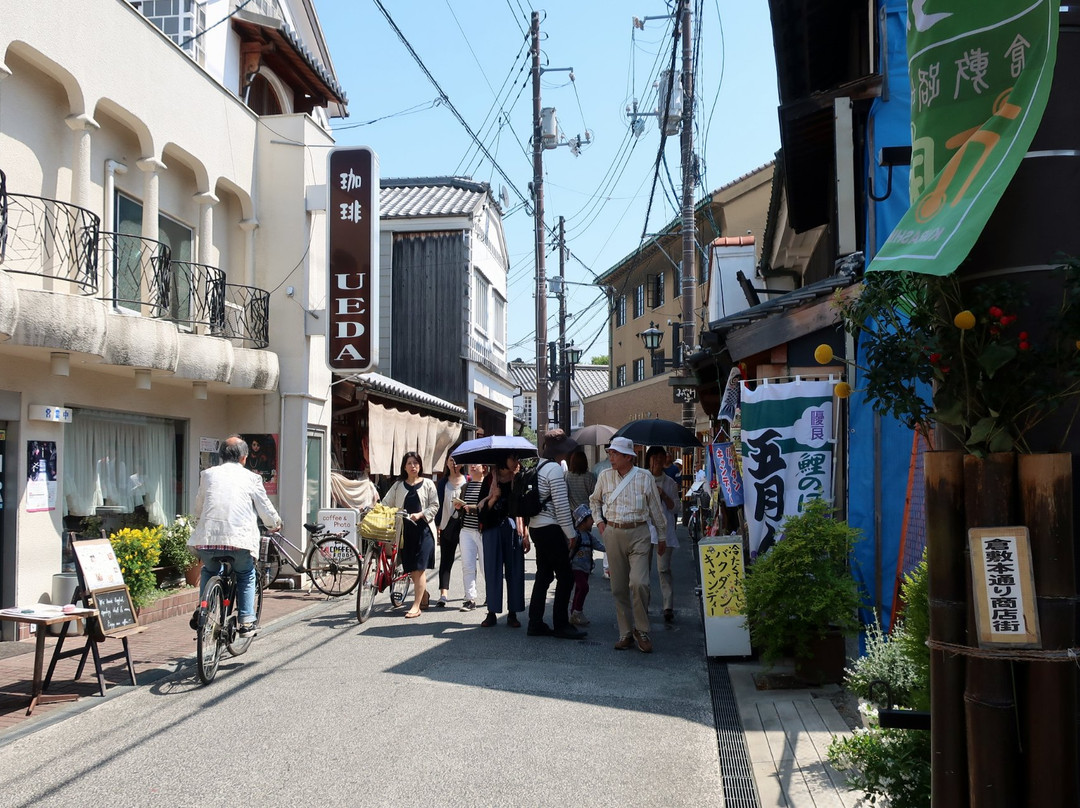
115 610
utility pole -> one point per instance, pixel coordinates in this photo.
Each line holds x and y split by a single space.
689 277
542 413
565 368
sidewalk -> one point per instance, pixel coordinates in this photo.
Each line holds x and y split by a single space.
771 743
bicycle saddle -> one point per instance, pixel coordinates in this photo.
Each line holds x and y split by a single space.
314 528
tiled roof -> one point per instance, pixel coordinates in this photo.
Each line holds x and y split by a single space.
589 380
392 388
414 197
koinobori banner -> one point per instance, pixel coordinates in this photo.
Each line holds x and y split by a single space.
980 79
787 451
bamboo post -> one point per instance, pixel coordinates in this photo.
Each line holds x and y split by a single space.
1048 729
994 752
946 559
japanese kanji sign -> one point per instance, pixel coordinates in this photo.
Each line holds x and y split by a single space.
787 450
1004 587
724 470
723 594
352 216
980 78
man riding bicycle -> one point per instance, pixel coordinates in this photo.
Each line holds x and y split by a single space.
229 498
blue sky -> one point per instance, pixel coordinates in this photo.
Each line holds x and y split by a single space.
477 50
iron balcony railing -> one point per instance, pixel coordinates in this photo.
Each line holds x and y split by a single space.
245 316
138 272
195 294
50 239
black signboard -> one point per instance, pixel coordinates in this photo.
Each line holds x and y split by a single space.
115 610
684 395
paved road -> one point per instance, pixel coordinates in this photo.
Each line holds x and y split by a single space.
436 711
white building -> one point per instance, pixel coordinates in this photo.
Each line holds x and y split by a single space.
161 254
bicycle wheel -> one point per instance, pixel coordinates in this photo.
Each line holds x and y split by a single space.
236 644
211 622
272 567
369 584
334 566
400 585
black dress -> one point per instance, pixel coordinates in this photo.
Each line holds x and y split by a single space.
418 547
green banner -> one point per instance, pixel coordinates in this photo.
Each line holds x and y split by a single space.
980 78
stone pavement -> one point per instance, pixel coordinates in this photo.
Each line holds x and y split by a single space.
785 732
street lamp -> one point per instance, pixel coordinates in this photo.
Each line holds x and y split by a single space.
652 338
562 372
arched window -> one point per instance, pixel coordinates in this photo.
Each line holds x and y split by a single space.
262 98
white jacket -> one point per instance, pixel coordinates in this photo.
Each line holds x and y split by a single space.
229 498
429 500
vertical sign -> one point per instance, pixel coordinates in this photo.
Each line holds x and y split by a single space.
787 446
352 217
723 596
1004 586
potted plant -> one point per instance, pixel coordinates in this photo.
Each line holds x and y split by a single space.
801 597
175 551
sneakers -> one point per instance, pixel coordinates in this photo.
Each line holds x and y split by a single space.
568 633
194 621
247 629
489 621
625 641
644 644
539 630
512 620
669 615
578 619
467 606
441 603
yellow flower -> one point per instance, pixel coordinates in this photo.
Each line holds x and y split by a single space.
823 354
964 320
842 390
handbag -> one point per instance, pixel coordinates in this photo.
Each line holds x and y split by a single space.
381 524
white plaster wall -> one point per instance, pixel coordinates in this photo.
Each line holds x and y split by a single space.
35 144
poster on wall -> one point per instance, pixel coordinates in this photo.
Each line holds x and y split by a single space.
262 459
40 475
208 453
787 451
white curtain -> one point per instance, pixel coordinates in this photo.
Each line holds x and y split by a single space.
120 459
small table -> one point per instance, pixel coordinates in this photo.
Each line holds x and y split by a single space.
42 620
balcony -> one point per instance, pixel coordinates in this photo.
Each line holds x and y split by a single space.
63 245
481 352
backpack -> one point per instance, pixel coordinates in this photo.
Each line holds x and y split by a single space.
525 496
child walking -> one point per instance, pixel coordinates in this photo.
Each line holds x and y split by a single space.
581 561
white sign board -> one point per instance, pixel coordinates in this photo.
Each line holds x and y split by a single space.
723 595
338 520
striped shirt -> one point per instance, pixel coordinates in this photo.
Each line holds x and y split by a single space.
471 495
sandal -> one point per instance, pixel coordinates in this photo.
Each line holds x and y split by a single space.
412 614
424 601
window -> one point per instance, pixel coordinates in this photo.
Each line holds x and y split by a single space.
128 263
639 301
498 314
620 311
639 369
620 376
313 485
480 301
656 289
183 21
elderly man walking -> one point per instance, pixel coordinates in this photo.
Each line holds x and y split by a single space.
626 498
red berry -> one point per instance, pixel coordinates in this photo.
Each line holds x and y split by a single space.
1024 345
995 312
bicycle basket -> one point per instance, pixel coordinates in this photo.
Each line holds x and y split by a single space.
380 524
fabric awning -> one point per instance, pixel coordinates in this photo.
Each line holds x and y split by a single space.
392 432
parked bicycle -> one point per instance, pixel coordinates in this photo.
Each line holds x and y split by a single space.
332 561
699 515
381 570
219 618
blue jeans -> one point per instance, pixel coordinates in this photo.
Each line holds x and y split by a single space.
243 566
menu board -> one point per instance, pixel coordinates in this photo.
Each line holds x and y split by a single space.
100 569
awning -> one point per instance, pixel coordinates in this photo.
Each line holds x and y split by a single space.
393 431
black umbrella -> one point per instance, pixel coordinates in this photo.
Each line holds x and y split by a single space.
658 432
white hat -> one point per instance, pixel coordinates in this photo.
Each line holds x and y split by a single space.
622 446
678 461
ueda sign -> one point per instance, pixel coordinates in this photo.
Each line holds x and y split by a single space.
352 217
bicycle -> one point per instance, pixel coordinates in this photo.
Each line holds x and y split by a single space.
380 571
332 561
219 618
699 516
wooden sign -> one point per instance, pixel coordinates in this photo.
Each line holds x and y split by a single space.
115 609
1004 587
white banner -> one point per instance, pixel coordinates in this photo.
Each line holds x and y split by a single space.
787 450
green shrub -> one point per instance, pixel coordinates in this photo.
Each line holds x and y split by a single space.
802 588
891 764
886 661
917 630
138 551
174 547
